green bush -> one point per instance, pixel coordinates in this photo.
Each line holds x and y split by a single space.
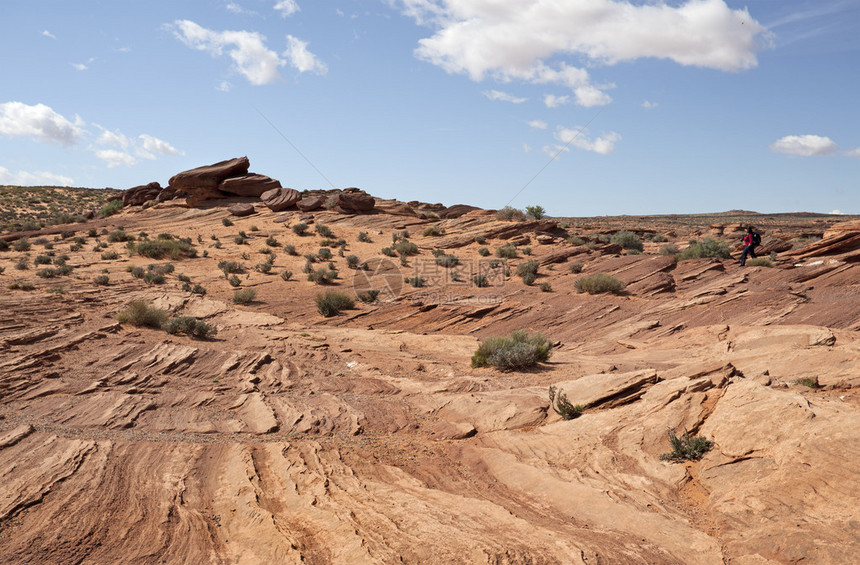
405 247
234 280
140 313
659 238
627 240
447 261
670 249
290 250
545 287
101 280
599 283
42 260
190 326
536 212
286 275
161 248
244 296
4 245
576 268
506 251
559 402
370 296
22 244
324 253
811 382
363 237
227 222
528 268
706 248
352 261
230 267
480 281
389 252
153 277
322 276
432 231
510 214
21 286
516 351
332 302
198 289
110 255
686 448
23 264
110 208
324 230
416 282
483 252
760 262
119 236
480 240
137 272
300 229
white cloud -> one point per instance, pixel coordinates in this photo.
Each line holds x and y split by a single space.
79 66
108 137
553 101
538 124
224 86
39 178
247 49
287 7
648 105
837 212
579 138
503 96
513 39
251 57
804 145
527 148
159 146
853 153
40 121
234 7
48 34
115 158
302 59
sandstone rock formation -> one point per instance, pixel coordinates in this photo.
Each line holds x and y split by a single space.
354 201
248 185
137 195
202 183
241 209
280 199
311 203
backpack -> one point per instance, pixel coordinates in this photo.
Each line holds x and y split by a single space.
756 238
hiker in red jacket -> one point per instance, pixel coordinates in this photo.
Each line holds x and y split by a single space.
751 239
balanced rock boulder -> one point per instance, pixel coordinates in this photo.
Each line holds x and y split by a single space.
241 209
279 199
137 195
311 203
202 183
249 185
354 201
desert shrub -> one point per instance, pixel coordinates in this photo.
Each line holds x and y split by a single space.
286 275
405 247
364 238
529 267
110 208
4 245
48 273
432 231
59 261
562 406
686 447
545 287
511 214
370 296
153 277
140 313
230 267
322 276
161 248
527 250
332 302
183 278
101 280
437 252
480 240
23 264
480 281
669 249
576 268
811 382
22 244
254 228
447 261
165 236
119 236
227 222
536 212
198 289
272 242
164 269
416 282
506 251
42 260
21 286
388 251
137 272
352 261
233 280
483 252
92 232
189 325
760 262
2 270
290 250
399 235
324 253
529 278
519 350
324 230
659 238
264 268
705 248
110 255
300 228
627 240
599 283
240 240
244 296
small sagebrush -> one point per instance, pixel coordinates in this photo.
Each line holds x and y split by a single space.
562 406
332 302
506 251
519 350
599 283
511 214
686 447
707 247
627 240
190 326
140 313
161 248
244 296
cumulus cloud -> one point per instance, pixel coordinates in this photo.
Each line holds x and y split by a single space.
804 145
553 101
38 178
853 153
580 138
115 158
79 66
251 58
503 96
39 121
48 34
514 39
837 212
648 105
224 86
159 146
538 124
108 137
287 7
527 148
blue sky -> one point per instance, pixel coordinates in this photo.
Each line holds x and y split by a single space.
587 107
